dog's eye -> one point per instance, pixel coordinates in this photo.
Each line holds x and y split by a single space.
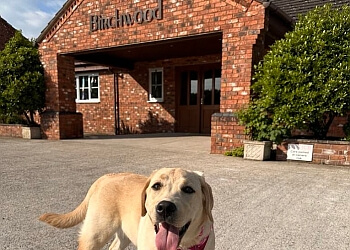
156 186
188 190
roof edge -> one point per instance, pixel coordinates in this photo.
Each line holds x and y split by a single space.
7 23
57 21
268 4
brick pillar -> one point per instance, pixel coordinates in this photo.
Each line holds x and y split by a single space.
238 44
226 132
60 120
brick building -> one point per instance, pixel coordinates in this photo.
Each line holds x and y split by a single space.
141 66
6 32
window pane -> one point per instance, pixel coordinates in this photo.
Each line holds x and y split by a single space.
156 91
208 87
184 90
194 88
156 78
77 87
83 82
94 93
217 90
84 94
94 81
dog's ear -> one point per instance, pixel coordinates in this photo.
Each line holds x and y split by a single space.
144 196
208 200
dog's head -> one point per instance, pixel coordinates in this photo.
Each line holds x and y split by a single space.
176 201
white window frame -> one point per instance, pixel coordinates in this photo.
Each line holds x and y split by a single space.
89 87
150 96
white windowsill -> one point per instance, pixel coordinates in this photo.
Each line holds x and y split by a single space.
155 101
87 101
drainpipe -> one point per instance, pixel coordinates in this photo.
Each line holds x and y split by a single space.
116 102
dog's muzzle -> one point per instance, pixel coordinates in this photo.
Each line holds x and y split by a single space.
168 236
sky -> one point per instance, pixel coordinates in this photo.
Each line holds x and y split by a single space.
30 16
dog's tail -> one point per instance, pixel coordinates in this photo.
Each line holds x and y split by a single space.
72 218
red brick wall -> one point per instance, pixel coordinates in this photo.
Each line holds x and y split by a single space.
71 125
335 130
11 130
324 152
240 22
66 80
226 132
137 115
99 118
50 125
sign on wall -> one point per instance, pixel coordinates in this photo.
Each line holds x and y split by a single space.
99 22
300 152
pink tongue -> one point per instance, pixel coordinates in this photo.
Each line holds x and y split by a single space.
167 237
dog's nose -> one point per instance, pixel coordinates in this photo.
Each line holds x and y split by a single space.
165 209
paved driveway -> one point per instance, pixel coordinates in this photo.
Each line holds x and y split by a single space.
258 205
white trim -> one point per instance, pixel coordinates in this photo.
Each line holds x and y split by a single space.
150 98
87 101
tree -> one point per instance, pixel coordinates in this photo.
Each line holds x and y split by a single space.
22 86
304 80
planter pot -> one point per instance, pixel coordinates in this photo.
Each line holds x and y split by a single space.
31 133
257 150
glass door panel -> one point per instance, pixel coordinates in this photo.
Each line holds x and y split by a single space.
207 87
194 88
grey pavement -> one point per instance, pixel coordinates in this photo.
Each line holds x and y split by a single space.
258 205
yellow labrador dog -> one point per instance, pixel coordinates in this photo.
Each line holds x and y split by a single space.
170 210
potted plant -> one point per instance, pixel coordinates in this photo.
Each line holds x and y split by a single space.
259 146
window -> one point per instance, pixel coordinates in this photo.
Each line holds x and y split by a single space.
88 88
156 85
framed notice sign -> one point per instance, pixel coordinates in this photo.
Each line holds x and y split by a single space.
300 152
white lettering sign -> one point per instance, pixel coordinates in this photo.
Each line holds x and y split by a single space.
300 152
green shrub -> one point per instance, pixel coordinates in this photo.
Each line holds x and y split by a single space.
236 152
11 119
22 86
303 82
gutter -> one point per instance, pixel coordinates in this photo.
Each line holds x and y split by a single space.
268 4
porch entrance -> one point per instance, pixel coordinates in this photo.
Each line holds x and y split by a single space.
198 94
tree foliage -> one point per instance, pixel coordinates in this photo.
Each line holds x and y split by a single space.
304 80
22 86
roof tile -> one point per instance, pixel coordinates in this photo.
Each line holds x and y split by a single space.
295 7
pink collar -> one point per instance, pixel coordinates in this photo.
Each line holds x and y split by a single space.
202 243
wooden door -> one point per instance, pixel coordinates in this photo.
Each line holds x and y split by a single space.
198 98
210 97
189 102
